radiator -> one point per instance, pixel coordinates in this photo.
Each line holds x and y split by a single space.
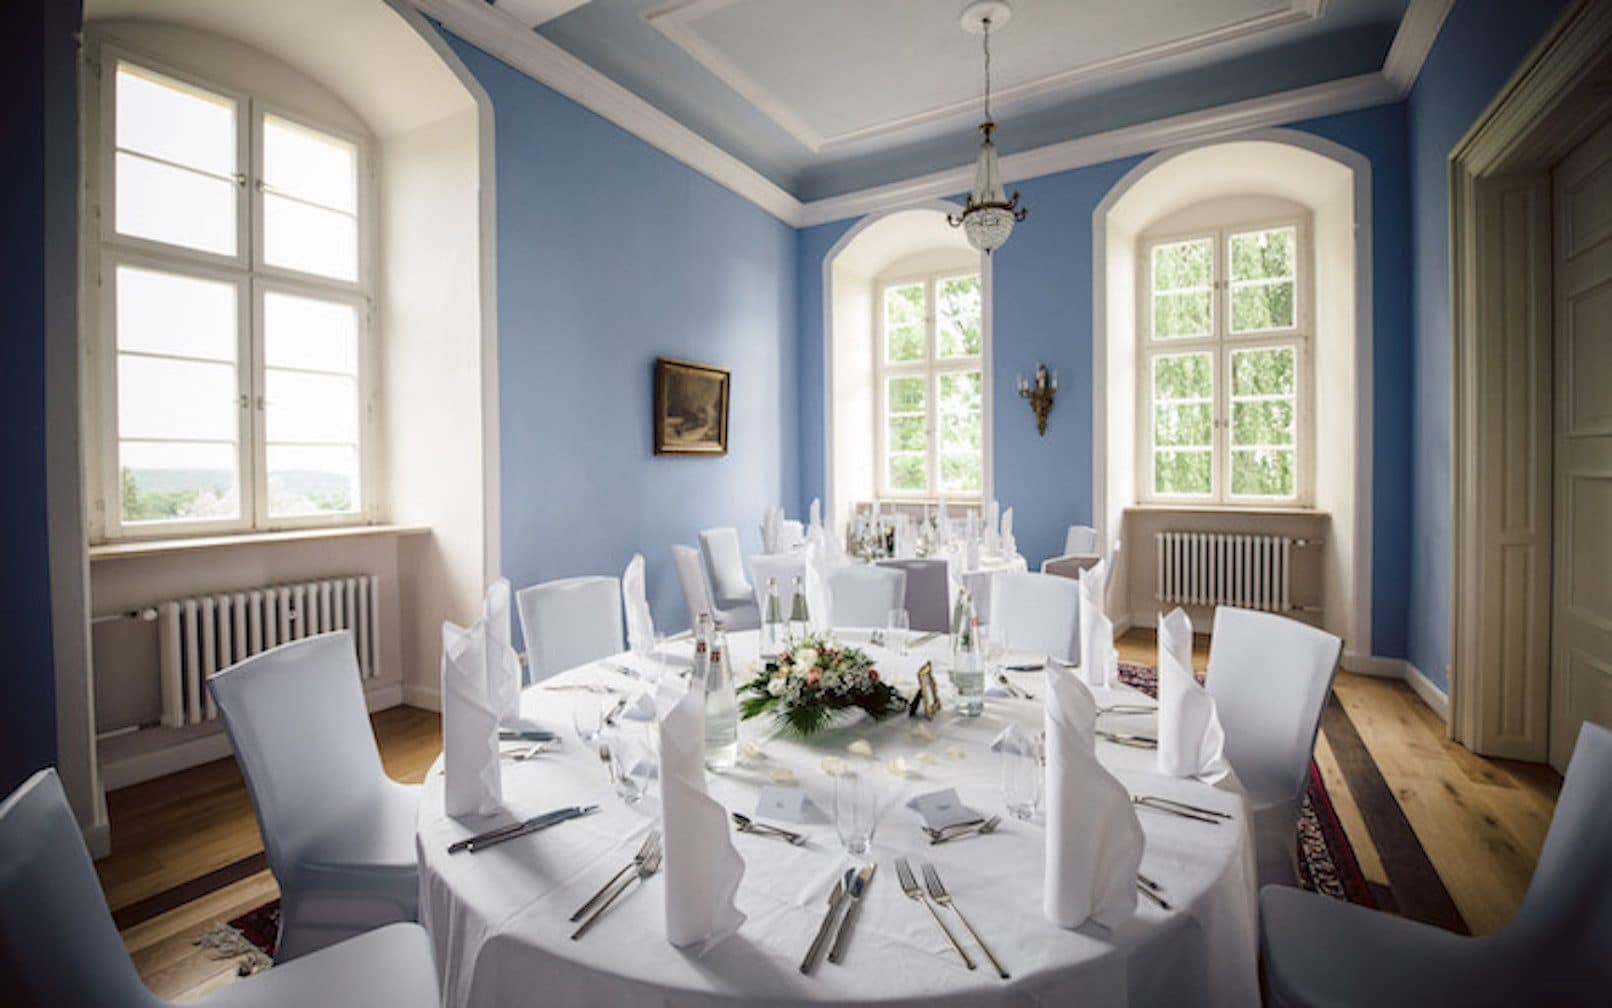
205 633
1218 568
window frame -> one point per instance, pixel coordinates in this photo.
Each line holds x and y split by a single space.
1221 344
930 367
106 249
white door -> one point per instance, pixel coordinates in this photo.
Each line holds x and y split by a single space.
1581 620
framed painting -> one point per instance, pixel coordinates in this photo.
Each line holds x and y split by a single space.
691 408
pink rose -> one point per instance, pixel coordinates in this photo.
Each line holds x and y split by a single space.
812 678
873 674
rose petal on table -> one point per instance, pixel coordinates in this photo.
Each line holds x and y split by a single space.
927 759
832 765
861 747
899 767
922 732
751 751
781 775
952 752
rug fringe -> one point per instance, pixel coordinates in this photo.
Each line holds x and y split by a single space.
224 942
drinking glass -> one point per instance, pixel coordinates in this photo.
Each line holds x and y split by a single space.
897 623
587 717
1021 782
633 763
856 810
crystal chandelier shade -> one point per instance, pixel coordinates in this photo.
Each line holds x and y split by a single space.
989 215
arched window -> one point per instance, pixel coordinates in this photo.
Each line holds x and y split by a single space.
1224 362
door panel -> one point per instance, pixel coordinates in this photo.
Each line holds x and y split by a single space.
1581 625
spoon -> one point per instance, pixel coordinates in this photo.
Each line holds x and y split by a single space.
749 825
1017 691
604 755
988 826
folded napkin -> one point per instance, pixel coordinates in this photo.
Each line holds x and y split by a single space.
771 523
503 663
703 869
1099 662
469 724
1014 739
1007 525
971 529
640 624
943 523
993 518
640 707
1094 841
819 602
1191 741
814 514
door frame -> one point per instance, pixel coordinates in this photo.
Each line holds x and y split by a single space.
1502 300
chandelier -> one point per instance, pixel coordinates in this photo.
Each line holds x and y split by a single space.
989 215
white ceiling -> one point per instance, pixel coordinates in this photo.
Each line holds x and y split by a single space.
823 70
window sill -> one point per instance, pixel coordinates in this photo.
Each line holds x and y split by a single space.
1229 509
160 547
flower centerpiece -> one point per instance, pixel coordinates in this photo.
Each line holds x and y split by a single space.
815 679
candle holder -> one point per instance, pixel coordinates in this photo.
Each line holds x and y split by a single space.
1040 394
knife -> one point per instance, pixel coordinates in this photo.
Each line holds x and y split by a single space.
536 735
468 842
835 899
858 889
532 826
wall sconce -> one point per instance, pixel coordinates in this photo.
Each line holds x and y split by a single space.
1040 395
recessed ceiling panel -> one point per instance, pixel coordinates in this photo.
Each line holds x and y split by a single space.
837 71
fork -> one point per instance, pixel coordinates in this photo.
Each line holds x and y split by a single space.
909 885
938 893
649 867
942 836
650 846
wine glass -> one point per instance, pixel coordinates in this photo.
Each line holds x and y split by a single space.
587 717
897 623
856 811
1021 781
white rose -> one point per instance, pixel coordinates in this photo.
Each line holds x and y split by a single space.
777 686
804 658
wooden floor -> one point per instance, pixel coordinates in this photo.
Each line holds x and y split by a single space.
1444 836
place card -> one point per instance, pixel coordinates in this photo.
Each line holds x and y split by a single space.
787 803
926 703
941 809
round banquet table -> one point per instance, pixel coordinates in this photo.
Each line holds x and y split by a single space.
498 919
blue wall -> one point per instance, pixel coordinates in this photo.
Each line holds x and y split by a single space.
610 254
1043 312
28 701
1481 44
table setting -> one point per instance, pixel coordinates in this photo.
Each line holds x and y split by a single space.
792 876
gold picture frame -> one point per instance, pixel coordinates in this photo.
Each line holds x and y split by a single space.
928 692
691 408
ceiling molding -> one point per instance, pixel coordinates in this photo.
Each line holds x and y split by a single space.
1343 95
676 19
1413 41
532 13
501 35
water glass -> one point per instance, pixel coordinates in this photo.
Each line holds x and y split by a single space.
897 623
856 810
1021 782
633 762
587 717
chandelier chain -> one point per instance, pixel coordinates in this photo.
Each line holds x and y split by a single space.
987 24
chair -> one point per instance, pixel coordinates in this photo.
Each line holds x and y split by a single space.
570 622
1036 613
338 832
731 594
1079 552
58 945
928 600
691 577
1320 951
863 596
783 568
1269 676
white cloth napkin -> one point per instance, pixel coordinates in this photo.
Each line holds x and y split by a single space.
1191 740
971 529
1007 525
640 707
703 869
814 578
502 661
1094 841
1099 662
472 785
771 523
814 515
640 624
943 523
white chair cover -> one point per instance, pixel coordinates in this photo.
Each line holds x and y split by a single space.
1269 676
503 661
634 601
783 568
58 945
338 832
691 577
724 564
928 606
1036 613
863 596
791 534
1318 950
569 622
1080 540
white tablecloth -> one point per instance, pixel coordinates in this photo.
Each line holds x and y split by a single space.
499 918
